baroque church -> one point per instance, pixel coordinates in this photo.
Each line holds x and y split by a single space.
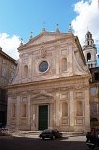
51 87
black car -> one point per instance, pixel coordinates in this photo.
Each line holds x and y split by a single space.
50 133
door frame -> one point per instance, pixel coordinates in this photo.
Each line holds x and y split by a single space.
47 114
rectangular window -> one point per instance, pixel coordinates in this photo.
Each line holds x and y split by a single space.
23 110
79 108
64 64
4 61
4 71
13 110
93 91
64 109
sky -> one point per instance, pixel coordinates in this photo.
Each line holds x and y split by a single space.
18 18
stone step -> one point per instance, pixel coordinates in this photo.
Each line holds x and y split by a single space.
36 133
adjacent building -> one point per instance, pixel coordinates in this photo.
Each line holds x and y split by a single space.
51 86
94 97
7 70
90 53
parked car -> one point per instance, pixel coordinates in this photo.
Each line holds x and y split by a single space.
50 133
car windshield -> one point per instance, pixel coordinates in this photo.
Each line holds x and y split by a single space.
47 130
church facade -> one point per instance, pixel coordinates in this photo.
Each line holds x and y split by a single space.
51 85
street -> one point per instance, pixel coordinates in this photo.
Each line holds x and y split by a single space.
27 143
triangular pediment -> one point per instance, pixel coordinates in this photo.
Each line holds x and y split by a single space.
42 98
43 38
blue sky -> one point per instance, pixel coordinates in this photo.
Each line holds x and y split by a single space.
19 17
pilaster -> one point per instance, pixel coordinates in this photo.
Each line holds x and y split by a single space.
33 118
58 113
9 112
71 109
28 112
87 110
17 112
51 116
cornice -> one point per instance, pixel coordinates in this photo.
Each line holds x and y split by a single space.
51 82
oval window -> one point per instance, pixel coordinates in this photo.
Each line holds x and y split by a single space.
43 66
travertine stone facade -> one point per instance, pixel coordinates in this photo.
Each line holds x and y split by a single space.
51 86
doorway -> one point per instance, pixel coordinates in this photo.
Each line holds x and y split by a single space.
43 117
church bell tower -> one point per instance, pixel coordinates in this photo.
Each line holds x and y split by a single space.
90 51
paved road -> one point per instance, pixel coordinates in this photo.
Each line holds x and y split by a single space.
24 143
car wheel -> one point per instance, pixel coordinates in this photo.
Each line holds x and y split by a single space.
90 145
53 137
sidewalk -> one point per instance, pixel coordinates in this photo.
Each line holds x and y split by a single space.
76 138
35 134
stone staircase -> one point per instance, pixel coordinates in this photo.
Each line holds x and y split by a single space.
26 133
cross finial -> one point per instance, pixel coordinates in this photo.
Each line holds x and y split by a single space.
43 29
31 35
21 42
70 28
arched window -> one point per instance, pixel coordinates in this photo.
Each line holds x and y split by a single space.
64 109
79 108
64 64
91 65
88 56
25 71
